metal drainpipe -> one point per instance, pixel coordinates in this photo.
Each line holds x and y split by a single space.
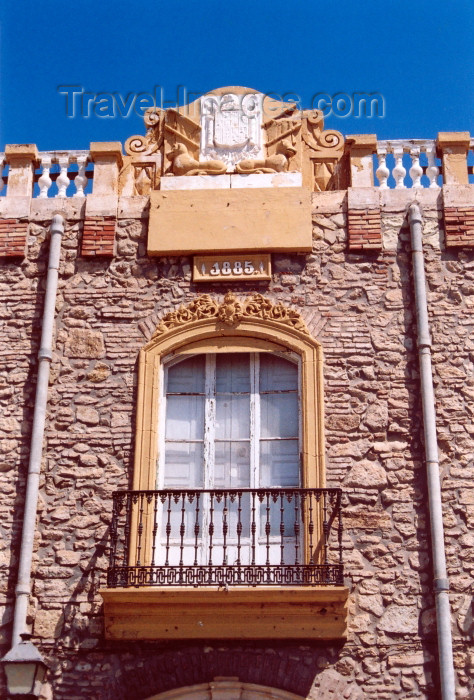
23 586
440 583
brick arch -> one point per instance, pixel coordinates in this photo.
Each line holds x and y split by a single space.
226 689
283 669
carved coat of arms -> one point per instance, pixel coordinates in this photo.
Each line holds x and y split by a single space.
231 127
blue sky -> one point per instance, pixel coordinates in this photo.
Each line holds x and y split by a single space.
417 54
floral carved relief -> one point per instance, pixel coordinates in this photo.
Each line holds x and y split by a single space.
230 312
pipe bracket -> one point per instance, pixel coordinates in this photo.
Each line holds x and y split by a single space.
440 584
45 354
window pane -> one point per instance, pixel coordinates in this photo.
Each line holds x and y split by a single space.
279 463
232 465
187 376
183 466
233 372
277 373
232 417
279 415
184 417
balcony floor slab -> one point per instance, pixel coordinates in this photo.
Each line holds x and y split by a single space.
267 612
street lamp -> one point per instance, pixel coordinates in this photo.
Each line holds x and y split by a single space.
24 668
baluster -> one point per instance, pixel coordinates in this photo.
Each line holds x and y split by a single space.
168 531
114 531
432 171
45 181
253 528
325 529
131 500
211 530
282 527
196 530
297 529
63 181
224 531
416 171
304 528
140 529
382 172
182 530
155 527
2 181
239 529
267 527
311 529
399 171
80 181
339 535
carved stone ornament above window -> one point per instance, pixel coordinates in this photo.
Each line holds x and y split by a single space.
230 313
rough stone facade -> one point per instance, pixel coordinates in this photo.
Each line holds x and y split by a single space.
360 307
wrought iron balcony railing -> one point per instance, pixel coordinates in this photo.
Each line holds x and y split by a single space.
226 537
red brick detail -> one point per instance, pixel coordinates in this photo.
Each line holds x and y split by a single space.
364 229
459 227
98 236
13 238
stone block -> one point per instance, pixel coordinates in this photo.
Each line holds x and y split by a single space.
366 475
204 221
195 182
82 342
88 415
48 623
363 198
240 181
66 557
399 619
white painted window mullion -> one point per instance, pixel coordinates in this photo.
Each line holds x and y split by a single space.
254 420
208 448
209 421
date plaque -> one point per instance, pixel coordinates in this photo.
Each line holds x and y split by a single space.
238 268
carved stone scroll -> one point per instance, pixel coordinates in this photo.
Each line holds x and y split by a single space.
153 140
324 149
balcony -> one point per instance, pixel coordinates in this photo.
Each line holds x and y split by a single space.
230 563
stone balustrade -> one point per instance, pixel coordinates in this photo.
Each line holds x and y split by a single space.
59 186
56 173
409 163
386 164
418 174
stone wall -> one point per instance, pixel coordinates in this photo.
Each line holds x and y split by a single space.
360 307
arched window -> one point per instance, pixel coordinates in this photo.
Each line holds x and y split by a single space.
253 328
229 433
229 506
